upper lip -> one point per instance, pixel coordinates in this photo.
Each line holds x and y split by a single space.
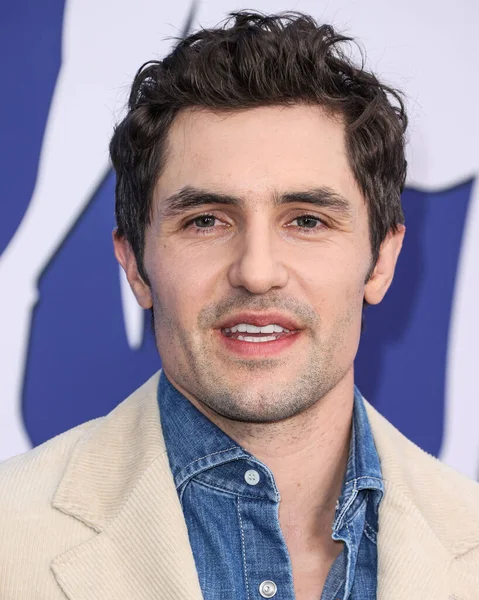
260 320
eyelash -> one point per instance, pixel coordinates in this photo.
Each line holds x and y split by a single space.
200 230
312 229
203 230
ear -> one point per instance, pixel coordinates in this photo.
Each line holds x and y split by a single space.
125 256
383 273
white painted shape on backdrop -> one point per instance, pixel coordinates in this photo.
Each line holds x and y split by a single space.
460 448
133 314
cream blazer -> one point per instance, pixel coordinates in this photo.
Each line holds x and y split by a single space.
93 514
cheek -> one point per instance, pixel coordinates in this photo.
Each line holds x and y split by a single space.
335 287
181 285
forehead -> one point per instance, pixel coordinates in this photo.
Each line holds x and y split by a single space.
256 152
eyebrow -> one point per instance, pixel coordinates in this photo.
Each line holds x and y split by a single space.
190 197
321 197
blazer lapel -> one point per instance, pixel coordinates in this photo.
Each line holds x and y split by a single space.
119 483
412 563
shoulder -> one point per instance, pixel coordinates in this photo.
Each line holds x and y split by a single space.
410 467
29 481
47 493
33 477
447 500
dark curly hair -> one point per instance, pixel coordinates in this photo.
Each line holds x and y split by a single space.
254 60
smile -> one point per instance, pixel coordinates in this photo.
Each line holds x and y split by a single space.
247 332
252 335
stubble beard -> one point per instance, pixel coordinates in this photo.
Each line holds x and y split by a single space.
258 393
259 390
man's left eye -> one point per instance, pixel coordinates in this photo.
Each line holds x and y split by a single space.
307 222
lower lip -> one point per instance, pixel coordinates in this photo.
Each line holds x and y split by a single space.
262 349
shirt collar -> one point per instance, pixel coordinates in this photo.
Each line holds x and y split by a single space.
363 470
363 466
195 443
191 437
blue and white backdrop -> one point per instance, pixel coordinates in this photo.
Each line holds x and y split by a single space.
72 341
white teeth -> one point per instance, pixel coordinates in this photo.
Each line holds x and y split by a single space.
268 329
248 338
247 328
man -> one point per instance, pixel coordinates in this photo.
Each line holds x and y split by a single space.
259 175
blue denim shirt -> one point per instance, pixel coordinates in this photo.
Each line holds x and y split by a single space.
230 503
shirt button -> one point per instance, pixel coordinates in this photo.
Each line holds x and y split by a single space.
268 589
252 478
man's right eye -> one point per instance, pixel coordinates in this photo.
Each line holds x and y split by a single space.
204 221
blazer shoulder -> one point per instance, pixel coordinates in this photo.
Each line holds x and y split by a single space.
30 479
447 499
406 463
60 495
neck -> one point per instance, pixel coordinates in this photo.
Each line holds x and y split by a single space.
307 455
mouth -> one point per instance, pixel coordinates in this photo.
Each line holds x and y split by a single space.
246 332
260 335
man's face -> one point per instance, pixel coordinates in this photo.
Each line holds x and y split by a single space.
257 225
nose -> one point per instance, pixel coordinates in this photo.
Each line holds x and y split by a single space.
257 266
